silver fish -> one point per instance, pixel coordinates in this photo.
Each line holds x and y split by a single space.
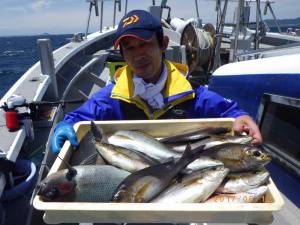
196 187
211 141
250 196
123 158
144 185
90 183
195 135
242 182
143 143
238 157
203 162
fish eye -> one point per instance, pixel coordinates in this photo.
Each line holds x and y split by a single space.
257 153
53 193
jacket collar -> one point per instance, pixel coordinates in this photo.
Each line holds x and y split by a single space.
176 85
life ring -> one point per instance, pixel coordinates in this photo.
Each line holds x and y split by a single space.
25 168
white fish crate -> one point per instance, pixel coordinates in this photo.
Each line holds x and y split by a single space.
79 212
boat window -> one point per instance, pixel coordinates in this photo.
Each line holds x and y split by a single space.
280 127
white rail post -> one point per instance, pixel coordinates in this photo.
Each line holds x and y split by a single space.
47 64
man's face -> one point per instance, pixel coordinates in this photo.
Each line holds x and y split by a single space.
143 57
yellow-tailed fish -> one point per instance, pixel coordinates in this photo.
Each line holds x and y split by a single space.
144 185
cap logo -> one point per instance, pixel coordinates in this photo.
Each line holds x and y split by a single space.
130 20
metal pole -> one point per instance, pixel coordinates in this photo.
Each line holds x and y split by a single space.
256 46
217 5
126 2
237 27
219 38
196 2
101 17
114 19
274 17
88 21
217 9
119 5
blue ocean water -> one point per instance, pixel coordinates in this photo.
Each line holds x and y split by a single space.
18 54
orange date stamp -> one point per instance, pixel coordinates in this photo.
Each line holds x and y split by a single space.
238 198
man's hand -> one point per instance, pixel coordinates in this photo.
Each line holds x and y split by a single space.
63 131
246 124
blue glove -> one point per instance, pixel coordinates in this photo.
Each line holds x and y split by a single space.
62 132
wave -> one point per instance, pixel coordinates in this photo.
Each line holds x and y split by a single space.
12 53
8 78
18 54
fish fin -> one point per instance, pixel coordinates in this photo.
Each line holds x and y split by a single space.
71 173
195 153
168 160
90 160
96 132
71 170
187 152
179 177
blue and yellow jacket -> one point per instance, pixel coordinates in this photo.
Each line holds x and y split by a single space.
116 101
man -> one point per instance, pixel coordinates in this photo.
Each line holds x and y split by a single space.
150 87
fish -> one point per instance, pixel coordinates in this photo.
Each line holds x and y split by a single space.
90 183
211 141
120 157
127 159
142 142
124 158
202 162
226 139
241 182
239 157
196 187
251 196
195 135
146 184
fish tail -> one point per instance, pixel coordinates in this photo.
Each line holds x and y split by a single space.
96 132
71 170
190 154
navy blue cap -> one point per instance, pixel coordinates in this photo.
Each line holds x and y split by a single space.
138 24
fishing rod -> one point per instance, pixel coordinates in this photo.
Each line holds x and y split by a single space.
14 102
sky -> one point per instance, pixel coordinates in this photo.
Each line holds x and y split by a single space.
30 17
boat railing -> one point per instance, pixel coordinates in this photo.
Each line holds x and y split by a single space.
287 49
99 59
94 4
